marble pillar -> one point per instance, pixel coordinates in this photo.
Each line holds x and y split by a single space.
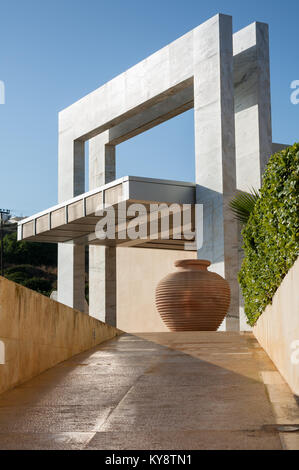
252 115
215 151
71 257
102 259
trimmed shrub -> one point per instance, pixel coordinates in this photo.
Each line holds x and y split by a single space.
34 278
271 243
43 286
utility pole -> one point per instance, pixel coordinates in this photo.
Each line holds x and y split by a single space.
4 216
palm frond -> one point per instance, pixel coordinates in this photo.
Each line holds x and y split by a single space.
243 203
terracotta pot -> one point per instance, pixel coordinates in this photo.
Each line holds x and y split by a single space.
193 298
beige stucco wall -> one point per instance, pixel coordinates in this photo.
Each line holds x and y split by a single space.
38 333
277 330
138 272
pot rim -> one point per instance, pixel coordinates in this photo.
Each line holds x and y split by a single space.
184 263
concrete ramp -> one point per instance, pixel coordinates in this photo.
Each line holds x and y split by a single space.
192 390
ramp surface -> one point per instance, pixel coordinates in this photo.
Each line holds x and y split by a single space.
154 391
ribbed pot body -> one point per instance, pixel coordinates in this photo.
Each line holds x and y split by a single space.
193 298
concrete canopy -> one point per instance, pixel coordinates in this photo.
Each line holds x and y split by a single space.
75 220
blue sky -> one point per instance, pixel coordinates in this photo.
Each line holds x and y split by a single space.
54 52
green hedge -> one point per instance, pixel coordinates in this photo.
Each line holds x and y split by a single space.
270 237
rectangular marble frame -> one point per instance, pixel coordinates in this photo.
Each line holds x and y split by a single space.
154 90
157 86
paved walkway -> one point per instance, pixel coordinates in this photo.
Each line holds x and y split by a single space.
154 391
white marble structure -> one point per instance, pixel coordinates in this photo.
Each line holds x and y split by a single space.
225 78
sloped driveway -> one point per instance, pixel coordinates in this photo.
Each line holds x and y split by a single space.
192 390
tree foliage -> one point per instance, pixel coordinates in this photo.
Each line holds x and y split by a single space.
22 252
30 264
